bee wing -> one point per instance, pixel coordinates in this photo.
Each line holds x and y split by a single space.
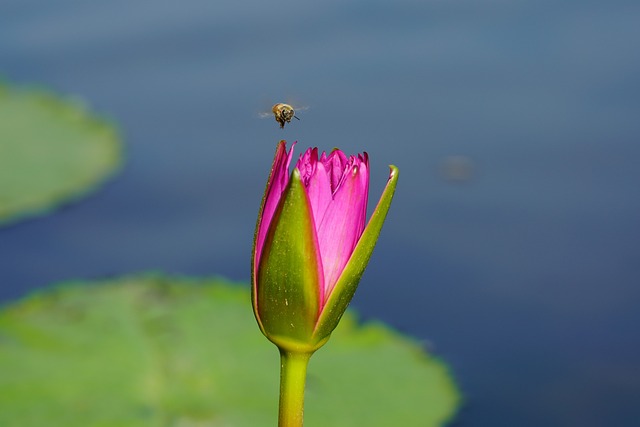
265 115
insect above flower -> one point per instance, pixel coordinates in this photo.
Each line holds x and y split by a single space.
283 113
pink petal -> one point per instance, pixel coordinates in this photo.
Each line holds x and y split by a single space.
307 164
278 180
316 181
319 192
342 224
336 165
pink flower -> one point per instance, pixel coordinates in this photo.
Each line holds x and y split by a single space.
311 246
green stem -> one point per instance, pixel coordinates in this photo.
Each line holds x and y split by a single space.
293 373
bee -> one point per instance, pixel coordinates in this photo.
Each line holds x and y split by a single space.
283 113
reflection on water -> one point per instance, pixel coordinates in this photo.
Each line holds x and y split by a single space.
524 277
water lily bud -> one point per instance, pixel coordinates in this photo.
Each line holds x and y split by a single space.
311 245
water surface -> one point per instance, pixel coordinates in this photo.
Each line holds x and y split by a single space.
511 248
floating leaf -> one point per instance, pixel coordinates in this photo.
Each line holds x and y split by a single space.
52 150
154 351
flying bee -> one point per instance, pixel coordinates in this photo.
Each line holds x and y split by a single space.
283 113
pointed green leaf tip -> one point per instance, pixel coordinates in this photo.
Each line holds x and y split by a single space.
288 295
348 282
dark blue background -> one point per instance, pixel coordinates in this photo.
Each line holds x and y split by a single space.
525 275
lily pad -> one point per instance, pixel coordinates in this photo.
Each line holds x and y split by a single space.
52 150
156 351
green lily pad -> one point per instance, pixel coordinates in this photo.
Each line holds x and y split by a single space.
52 150
156 351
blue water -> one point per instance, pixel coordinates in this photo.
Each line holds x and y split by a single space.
517 260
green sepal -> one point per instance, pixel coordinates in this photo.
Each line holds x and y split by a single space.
254 299
288 282
348 282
